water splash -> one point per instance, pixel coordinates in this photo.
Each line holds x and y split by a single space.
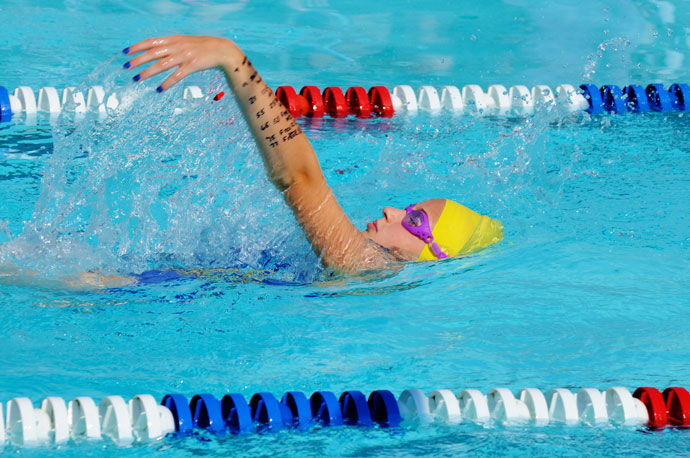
161 182
618 44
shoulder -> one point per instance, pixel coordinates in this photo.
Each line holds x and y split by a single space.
334 238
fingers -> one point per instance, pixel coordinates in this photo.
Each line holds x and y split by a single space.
169 52
175 78
148 44
152 54
159 67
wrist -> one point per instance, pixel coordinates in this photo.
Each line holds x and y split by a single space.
232 55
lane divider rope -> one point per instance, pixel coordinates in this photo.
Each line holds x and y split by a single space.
143 419
379 101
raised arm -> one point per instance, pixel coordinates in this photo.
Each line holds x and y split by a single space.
289 158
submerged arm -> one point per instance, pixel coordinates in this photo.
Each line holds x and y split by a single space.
290 160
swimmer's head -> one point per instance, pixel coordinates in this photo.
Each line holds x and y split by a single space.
455 229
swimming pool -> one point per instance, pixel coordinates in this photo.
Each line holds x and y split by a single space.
588 288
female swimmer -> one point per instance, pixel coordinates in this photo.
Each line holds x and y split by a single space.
433 229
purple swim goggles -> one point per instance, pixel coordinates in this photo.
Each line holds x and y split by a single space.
417 223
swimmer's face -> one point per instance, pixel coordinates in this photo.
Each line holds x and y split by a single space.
389 232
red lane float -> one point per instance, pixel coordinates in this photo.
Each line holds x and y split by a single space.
656 407
381 103
358 102
335 103
289 98
678 406
314 101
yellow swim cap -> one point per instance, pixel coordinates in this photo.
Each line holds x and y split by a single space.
460 230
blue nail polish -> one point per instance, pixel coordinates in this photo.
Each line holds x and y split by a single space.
136 77
159 89
125 51
127 65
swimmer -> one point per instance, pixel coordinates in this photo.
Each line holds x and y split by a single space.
424 231
428 230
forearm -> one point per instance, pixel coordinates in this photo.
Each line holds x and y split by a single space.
286 151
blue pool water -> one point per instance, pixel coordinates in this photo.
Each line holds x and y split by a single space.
588 288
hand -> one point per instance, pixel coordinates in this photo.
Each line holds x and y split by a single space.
188 53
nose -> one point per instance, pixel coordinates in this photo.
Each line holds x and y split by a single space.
392 214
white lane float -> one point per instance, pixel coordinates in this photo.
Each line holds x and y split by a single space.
192 92
521 100
570 99
73 100
26 97
48 100
149 419
3 435
543 96
407 97
428 99
504 408
414 405
444 405
536 404
56 409
116 422
476 101
624 409
500 99
473 406
451 99
562 406
83 418
591 406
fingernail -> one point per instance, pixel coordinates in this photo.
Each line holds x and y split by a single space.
136 77
125 51
159 89
127 65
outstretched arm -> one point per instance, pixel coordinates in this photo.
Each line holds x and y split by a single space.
289 158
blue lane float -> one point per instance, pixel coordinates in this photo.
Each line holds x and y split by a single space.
355 409
659 98
384 409
266 412
681 94
637 98
593 97
325 408
298 406
236 413
5 107
182 414
206 413
612 97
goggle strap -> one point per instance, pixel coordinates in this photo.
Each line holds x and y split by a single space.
437 250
